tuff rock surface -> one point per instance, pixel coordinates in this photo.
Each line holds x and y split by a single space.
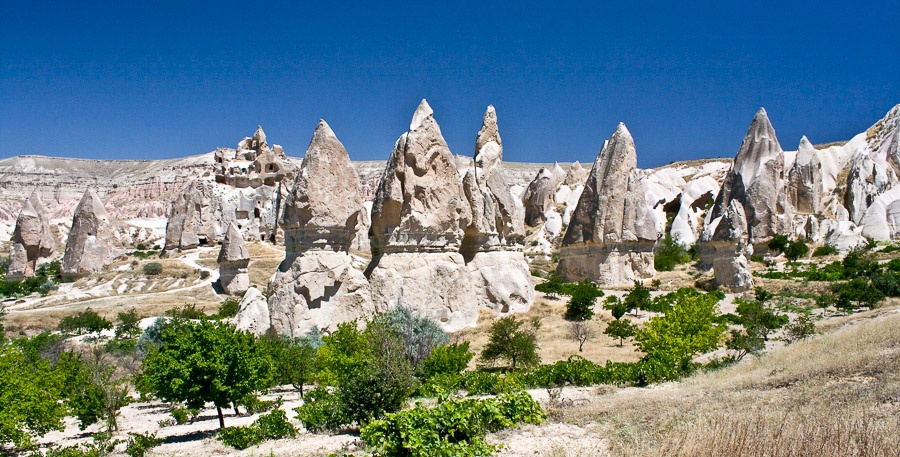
92 243
539 198
233 260
493 243
805 180
319 283
32 241
253 313
611 234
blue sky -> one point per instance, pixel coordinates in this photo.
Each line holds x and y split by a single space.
148 80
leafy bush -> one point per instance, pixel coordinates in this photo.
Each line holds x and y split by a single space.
778 243
581 303
181 415
152 268
321 410
620 329
638 298
801 328
87 321
510 342
824 250
446 359
254 405
455 427
795 250
128 324
295 360
669 252
418 333
188 311
46 278
271 426
30 398
228 308
139 444
690 328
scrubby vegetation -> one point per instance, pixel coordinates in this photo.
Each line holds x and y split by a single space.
45 280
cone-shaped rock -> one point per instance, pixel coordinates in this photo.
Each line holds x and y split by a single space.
756 180
493 243
539 198
611 234
805 180
730 266
576 175
419 205
325 205
319 283
419 218
32 240
234 258
192 217
92 243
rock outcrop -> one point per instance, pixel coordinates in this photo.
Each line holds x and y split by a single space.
233 260
32 240
611 234
253 163
419 219
92 243
729 249
539 198
253 313
805 180
866 180
320 284
193 219
493 243
576 175
756 181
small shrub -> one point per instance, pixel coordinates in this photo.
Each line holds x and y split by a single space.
321 410
779 243
228 308
822 251
204 274
455 427
669 252
152 268
139 443
801 328
270 426
796 250
447 359
254 405
181 415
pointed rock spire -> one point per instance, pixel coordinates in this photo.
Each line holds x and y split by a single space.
233 260
488 146
92 243
539 198
32 240
611 233
420 204
805 180
325 204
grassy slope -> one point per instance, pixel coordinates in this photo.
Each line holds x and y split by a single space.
833 395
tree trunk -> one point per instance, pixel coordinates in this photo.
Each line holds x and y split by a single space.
221 417
236 412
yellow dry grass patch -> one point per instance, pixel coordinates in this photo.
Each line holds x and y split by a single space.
552 337
833 395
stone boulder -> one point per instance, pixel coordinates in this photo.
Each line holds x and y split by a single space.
319 284
611 233
419 204
32 241
756 181
92 242
253 313
805 189
233 260
539 198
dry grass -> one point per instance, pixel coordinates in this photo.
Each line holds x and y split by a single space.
833 395
552 338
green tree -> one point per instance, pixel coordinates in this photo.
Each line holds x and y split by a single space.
669 252
615 306
638 298
447 359
30 398
206 361
510 342
621 329
419 334
128 324
758 321
795 250
778 243
690 328
228 308
294 358
93 390
581 301
87 321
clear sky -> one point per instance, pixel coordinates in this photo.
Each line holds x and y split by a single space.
148 80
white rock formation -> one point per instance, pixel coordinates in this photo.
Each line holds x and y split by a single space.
612 232
729 247
805 180
193 219
539 198
419 219
92 243
32 240
493 243
866 180
233 260
253 313
319 284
